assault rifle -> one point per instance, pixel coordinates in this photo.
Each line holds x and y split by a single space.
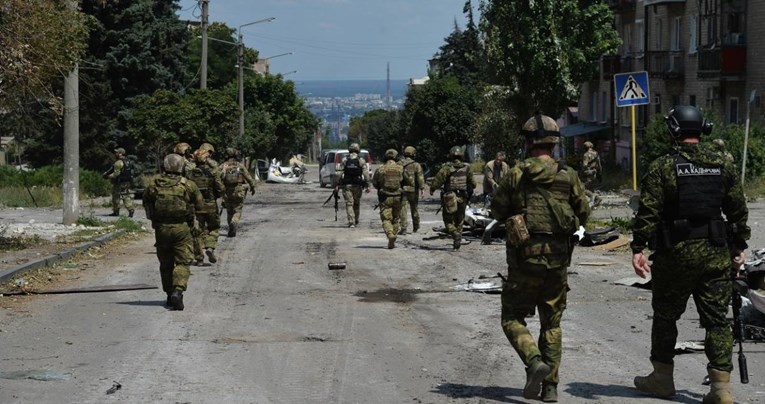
108 172
337 199
739 331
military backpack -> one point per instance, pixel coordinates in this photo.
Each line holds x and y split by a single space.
231 175
171 205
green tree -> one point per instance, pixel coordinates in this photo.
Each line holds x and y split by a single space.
377 131
221 55
540 51
461 54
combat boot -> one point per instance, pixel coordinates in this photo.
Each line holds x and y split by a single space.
720 384
232 230
176 300
415 227
210 252
457 241
660 382
131 212
535 374
168 303
549 392
391 243
115 213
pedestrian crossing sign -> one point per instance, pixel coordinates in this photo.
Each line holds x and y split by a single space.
631 89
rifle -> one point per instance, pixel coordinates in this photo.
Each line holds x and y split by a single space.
337 199
108 172
738 325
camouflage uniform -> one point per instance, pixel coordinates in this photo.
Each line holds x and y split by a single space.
697 267
170 202
537 270
208 180
352 188
234 175
492 174
387 180
120 187
414 185
591 171
449 177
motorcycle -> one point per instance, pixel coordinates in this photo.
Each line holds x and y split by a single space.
285 175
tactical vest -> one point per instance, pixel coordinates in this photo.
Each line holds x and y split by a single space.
547 209
410 176
699 191
392 178
353 172
231 175
203 178
171 205
127 172
457 179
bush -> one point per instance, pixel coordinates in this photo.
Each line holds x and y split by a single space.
91 182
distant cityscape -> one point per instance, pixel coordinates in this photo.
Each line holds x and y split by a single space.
336 102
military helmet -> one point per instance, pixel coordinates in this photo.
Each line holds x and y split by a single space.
173 163
391 154
686 120
409 151
719 143
232 152
183 149
541 129
456 152
354 148
120 150
208 147
588 144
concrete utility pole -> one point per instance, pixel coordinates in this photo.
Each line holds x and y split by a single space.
71 185
203 79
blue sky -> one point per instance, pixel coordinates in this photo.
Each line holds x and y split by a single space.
340 39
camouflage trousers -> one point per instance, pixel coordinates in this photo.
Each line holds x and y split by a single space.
352 196
705 275
528 287
409 204
174 250
588 183
453 221
209 222
234 202
121 193
390 214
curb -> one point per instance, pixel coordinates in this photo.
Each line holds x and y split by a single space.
52 259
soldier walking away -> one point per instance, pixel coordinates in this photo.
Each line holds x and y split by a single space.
458 185
721 146
170 202
492 174
187 152
210 152
234 175
210 185
414 189
683 197
121 176
298 167
543 203
592 172
353 178
388 180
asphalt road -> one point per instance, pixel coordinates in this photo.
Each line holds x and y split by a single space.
270 323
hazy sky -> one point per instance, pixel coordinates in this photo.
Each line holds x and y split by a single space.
340 39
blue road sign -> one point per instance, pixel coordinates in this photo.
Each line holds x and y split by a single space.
631 89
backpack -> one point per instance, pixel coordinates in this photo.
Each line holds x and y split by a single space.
231 175
171 204
127 173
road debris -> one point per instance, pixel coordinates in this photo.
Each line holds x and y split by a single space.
336 265
116 386
482 287
43 375
689 347
599 236
642 283
613 245
92 289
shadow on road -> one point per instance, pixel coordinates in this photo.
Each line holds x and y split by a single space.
144 303
501 394
592 391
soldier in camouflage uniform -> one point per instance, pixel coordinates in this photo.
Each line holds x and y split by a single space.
353 178
185 150
234 175
414 189
548 198
682 199
120 185
209 159
492 174
387 180
721 146
591 172
211 187
458 185
170 202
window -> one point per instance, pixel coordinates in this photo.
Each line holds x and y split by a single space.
693 31
657 104
733 110
658 37
594 106
692 100
603 109
627 40
676 34
639 37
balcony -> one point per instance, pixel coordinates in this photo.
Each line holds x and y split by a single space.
622 5
660 2
614 64
728 62
666 65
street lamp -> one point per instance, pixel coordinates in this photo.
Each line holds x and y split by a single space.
265 61
240 70
288 73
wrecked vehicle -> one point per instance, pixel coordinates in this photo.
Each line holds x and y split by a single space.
285 175
751 286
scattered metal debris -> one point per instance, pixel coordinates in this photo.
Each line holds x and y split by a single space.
643 283
689 347
116 386
44 375
336 265
612 245
92 289
482 287
599 236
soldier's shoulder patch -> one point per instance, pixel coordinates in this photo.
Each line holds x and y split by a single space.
690 169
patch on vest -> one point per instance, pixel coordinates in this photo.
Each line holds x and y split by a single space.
689 170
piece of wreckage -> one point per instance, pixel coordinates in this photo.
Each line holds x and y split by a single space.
285 175
751 285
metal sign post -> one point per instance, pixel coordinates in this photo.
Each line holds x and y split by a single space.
752 98
632 89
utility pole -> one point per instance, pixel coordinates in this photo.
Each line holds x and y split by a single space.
240 81
71 185
203 80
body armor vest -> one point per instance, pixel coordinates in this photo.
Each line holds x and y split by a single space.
457 179
392 177
231 175
410 175
699 191
547 209
352 172
171 205
202 177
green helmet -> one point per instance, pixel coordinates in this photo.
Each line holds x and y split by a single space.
541 129
119 150
354 148
232 152
588 144
456 152
208 147
409 151
391 154
183 149
173 163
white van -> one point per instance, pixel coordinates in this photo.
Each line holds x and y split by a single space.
329 174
